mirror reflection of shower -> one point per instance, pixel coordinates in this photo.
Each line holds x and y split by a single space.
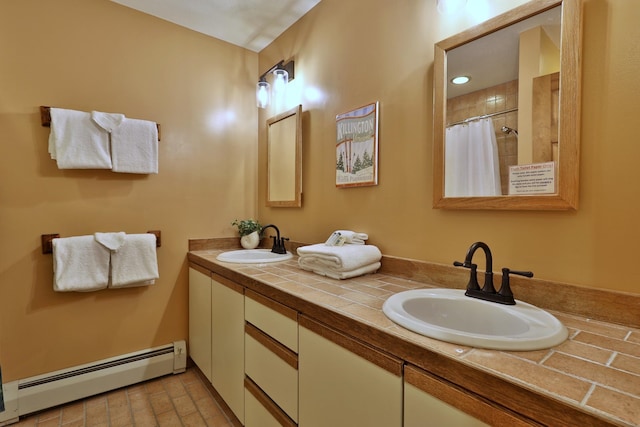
508 130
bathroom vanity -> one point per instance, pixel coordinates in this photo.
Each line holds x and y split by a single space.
318 351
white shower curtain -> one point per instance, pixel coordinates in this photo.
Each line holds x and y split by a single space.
471 160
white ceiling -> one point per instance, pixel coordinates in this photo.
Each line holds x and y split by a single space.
252 24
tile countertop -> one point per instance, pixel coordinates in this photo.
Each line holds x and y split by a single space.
596 372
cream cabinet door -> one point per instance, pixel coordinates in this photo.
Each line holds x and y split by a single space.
344 382
429 401
200 319
227 342
423 410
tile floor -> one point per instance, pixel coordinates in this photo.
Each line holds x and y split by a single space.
180 400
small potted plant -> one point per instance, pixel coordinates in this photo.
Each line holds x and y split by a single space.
249 230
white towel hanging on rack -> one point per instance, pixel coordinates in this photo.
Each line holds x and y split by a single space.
134 147
79 264
135 263
76 142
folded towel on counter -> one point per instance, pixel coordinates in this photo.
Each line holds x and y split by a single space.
79 264
107 121
76 142
353 237
134 147
339 262
340 258
111 241
135 263
323 271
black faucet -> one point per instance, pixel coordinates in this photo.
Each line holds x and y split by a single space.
278 242
488 291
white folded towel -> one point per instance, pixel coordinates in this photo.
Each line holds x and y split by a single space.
111 241
371 268
76 142
79 264
339 258
134 147
353 237
107 121
135 263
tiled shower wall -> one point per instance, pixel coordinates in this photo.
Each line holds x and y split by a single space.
487 101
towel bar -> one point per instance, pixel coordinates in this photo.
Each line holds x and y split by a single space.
45 118
47 244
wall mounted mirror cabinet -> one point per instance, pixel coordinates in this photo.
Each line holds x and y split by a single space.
509 138
284 159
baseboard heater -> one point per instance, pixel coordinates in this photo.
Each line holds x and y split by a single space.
33 394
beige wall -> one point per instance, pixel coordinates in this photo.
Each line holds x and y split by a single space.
349 53
95 54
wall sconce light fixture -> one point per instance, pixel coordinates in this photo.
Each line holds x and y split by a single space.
282 74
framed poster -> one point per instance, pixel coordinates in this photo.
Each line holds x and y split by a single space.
357 147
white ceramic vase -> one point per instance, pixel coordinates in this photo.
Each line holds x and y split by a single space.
250 241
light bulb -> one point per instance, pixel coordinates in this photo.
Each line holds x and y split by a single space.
281 79
460 80
262 94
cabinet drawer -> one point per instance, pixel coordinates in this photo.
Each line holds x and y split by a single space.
276 320
274 368
260 411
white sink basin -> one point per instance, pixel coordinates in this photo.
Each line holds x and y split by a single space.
253 256
449 315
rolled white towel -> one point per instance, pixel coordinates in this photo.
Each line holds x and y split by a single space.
339 258
353 237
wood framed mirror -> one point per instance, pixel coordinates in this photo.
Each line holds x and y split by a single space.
284 159
554 185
